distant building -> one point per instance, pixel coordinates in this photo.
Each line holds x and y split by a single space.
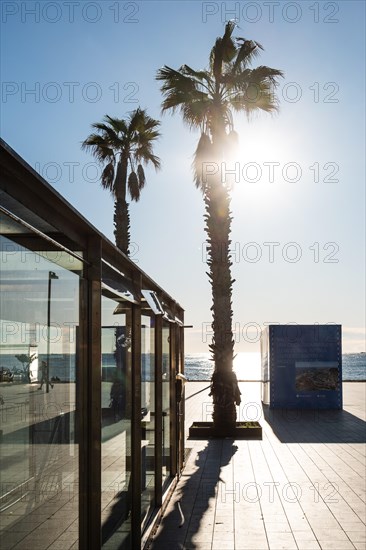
92 435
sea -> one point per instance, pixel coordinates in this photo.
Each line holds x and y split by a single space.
247 366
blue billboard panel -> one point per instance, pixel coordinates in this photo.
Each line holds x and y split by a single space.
302 366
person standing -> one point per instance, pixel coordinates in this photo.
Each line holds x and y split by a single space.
44 374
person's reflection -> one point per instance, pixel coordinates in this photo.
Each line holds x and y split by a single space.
44 375
117 402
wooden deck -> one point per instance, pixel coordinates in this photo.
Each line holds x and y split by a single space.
302 487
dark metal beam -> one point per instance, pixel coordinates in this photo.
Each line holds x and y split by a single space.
93 406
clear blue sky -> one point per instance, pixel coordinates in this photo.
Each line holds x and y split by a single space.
87 59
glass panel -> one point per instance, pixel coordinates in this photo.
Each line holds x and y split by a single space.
116 424
166 401
147 415
179 362
39 334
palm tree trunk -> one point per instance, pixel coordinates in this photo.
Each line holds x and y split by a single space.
121 216
224 385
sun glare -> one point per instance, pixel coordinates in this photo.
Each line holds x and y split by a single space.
247 366
263 166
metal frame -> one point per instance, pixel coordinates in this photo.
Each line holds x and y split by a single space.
92 407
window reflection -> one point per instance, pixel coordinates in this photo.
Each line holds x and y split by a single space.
116 424
166 401
39 449
147 415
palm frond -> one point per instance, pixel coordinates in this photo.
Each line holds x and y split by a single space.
233 79
151 127
109 133
256 96
131 138
107 177
196 112
145 134
252 89
202 156
223 51
99 147
141 176
136 120
178 100
133 187
247 52
203 77
179 89
147 156
263 73
117 124
172 78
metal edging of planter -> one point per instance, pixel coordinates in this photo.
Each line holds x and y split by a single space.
242 430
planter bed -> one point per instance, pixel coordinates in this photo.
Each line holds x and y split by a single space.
242 430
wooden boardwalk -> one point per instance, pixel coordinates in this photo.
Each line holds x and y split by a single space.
302 487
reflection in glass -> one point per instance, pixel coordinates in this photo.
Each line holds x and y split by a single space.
166 402
147 415
39 450
116 424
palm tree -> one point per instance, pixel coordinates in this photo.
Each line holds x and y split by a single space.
26 360
206 100
122 146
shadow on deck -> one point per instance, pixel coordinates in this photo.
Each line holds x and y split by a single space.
196 493
315 426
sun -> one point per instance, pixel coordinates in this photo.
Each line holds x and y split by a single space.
263 162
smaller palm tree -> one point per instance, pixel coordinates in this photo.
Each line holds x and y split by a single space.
26 360
122 146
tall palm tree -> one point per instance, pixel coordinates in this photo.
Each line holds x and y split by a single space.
206 100
121 146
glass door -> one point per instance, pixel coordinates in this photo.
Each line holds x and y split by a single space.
147 416
166 382
116 424
39 303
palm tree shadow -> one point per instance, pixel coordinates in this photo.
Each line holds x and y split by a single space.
191 519
116 529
